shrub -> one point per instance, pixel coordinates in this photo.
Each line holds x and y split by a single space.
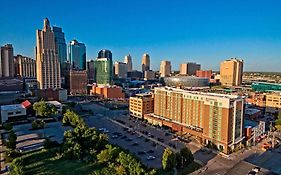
8 126
17 167
38 124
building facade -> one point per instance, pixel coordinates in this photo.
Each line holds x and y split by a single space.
128 61
264 86
149 75
108 92
189 68
60 47
214 118
120 69
7 61
12 112
47 63
273 103
231 72
77 55
103 71
24 66
145 62
204 74
91 71
76 82
141 104
165 69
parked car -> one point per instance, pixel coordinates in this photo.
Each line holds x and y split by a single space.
150 158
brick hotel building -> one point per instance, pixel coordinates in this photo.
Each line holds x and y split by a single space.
211 117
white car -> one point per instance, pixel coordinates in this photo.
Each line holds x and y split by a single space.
150 158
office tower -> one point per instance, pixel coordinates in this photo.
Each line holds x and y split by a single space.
91 71
141 104
77 55
60 47
7 61
149 75
231 72
165 68
104 71
213 118
128 61
105 54
204 73
189 68
25 67
120 69
76 82
145 62
47 63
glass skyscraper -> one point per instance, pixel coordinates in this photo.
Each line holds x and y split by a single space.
77 55
103 71
60 47
105 54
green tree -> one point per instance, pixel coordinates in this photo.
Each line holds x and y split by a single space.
17 167
8 126
12 140
38 124
83 142
109 154
72 119
168 159
184 157
44 109
131 165
120 170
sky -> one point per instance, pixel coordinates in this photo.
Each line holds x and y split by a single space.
202 31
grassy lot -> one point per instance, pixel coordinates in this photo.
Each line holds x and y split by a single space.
45 162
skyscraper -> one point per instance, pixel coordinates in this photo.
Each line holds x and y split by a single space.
128 61
231 72
189 68
60 47
47 63
103 71
7 61
77 55
165 68
25 66
105 54
104 67
120 69
145 62
91 71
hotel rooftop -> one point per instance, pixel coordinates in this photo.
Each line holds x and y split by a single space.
228 96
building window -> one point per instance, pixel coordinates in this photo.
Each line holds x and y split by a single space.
18 112
10 113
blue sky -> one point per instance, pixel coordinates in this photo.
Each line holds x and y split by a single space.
203 31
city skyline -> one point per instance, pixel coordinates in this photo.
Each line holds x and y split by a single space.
207 34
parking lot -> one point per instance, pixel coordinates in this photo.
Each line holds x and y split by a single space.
149 152
28 139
